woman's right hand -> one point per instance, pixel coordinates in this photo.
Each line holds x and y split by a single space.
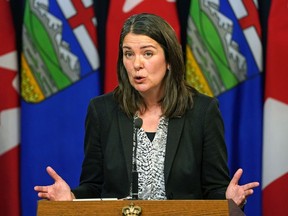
59 191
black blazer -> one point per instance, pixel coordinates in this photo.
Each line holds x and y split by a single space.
195 161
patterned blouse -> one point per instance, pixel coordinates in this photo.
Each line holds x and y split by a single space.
150 162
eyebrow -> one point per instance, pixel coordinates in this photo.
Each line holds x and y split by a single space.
143 47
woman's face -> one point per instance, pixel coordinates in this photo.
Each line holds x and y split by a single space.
145 63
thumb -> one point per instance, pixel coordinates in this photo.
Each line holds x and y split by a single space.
53 174
236 177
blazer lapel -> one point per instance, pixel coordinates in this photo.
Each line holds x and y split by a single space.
175 128
126 134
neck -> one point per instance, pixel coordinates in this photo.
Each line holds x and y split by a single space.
152 97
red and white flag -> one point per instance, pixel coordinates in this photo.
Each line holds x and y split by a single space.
119 11
9 116
275 149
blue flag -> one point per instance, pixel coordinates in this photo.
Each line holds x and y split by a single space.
224 60
59 76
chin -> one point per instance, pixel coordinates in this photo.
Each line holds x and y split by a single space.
140 89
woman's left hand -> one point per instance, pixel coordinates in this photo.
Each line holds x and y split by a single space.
239 193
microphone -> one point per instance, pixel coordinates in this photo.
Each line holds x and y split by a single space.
137 125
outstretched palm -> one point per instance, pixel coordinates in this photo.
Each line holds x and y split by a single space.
59 191
239 193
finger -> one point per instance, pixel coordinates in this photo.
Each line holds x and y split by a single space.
236 177
38 188
43 195
250 185
53 174
249 192
41 188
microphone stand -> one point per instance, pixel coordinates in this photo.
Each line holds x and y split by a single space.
137 123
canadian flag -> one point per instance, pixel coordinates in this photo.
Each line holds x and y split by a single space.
275 149
9 116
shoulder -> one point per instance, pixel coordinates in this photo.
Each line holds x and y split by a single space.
104 101
102 106
205 116
104 97
203 102
101 110
205 108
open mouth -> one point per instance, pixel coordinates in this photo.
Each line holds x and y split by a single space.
139 78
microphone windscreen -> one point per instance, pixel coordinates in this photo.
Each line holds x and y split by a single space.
138 122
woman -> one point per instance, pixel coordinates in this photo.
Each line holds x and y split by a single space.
181 151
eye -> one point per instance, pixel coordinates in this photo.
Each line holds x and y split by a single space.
148 54
128 54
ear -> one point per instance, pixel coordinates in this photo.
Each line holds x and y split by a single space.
168 67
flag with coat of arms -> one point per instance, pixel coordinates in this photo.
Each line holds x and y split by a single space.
224 60
59 76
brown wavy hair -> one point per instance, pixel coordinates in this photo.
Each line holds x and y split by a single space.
178 95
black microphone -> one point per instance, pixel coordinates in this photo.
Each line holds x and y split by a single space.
137 125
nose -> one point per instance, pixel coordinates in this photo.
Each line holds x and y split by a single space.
138 63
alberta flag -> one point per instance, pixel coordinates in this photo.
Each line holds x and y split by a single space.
224 59
59 76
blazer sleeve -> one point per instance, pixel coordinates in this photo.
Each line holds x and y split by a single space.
215 172
98 118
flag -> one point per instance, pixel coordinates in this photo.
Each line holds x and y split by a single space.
9 116
119 11
275 146
224 60
59 76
